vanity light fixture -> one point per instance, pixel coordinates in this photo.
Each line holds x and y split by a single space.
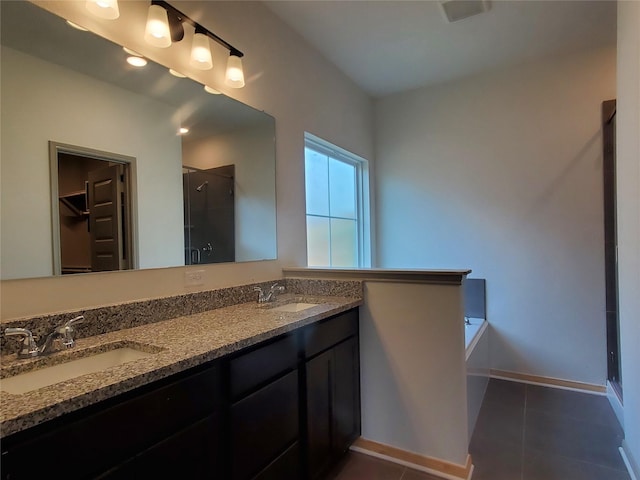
212 91
107 9
76 26
157 31
235 75
165 24
200 51
183 131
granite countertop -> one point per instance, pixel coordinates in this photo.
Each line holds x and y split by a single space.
177 344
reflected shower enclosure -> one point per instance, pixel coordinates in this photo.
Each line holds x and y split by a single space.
209 215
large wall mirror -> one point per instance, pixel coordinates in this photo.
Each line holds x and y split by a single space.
69 96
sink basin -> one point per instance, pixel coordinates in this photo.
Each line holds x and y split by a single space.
50 375
294 307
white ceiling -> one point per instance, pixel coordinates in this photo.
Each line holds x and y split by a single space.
392 46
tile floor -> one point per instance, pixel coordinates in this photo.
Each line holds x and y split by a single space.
528 432
525 432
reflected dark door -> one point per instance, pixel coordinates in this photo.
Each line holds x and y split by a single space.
105 218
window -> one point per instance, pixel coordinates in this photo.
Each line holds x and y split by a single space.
337 209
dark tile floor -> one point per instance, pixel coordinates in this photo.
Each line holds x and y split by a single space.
528 432
525 432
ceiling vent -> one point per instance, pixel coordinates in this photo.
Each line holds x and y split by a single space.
455 10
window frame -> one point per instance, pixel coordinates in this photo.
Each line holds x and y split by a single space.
363 210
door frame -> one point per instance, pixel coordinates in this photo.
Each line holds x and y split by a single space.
130 182
611 245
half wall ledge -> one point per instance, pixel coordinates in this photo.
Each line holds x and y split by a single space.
441 277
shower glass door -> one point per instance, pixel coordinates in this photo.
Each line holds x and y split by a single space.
209 215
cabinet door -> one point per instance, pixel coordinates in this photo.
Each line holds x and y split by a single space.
263 425
333 404
346 395
192 453
319 386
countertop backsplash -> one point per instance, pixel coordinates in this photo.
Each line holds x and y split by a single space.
110 318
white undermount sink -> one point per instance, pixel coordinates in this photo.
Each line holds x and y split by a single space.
50 375
294 307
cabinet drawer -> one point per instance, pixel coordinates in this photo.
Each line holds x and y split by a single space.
250 370
263 425
192 453
325 334
101 440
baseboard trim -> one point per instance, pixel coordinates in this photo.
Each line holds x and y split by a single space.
632 467
430 465
549 381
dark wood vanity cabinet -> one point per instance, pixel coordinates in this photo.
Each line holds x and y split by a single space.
332 391
284 409
264 411
193 452
147 429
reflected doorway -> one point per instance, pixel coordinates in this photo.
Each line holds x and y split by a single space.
209 215
91 210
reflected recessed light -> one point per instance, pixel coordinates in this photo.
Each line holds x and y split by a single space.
131 52
212 91
176 73
183 131
136 61
76 26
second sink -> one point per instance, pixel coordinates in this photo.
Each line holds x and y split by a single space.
294 307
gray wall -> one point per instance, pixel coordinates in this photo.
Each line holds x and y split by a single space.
628 162
502 173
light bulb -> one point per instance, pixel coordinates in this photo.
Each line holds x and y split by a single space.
200 52
107 9
183 131
212 91
157 31
235 74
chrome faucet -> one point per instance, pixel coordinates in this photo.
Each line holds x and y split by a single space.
29 347
59 339
269 296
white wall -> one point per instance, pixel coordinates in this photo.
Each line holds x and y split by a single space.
286 78
412 364
628 203
251 151
35 95
502 173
